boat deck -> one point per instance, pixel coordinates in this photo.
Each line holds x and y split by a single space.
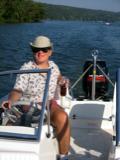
90 144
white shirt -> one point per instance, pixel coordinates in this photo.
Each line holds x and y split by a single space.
32 85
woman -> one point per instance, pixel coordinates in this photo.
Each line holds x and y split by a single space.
31 87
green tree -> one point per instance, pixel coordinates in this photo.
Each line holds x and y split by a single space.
2 10
15 11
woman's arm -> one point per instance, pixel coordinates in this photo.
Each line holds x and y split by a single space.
13 96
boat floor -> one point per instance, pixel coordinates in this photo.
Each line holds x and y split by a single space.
90 144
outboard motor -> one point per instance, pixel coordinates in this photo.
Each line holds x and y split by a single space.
101 83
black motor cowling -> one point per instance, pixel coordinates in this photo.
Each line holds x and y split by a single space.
101 80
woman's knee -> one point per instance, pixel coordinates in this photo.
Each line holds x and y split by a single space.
62 117
58 115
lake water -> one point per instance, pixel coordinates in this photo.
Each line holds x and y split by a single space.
73 43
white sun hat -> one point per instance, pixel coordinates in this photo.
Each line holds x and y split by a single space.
41 42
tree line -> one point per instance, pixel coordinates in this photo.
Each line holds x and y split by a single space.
73 13
18 11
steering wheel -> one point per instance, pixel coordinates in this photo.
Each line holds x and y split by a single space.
19 115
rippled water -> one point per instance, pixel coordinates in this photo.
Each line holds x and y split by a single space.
73 43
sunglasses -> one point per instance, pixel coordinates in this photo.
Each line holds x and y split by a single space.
45 50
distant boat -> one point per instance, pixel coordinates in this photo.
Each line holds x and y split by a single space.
107 23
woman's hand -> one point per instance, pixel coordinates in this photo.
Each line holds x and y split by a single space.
14 96
64 84
6 104
63 81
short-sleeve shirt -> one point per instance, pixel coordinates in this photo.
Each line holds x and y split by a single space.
32 85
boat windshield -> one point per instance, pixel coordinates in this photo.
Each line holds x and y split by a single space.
19 122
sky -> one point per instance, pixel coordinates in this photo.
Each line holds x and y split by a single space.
107 5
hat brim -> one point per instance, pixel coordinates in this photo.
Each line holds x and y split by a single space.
31 44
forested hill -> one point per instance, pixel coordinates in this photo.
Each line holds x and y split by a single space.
60 12
19 11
